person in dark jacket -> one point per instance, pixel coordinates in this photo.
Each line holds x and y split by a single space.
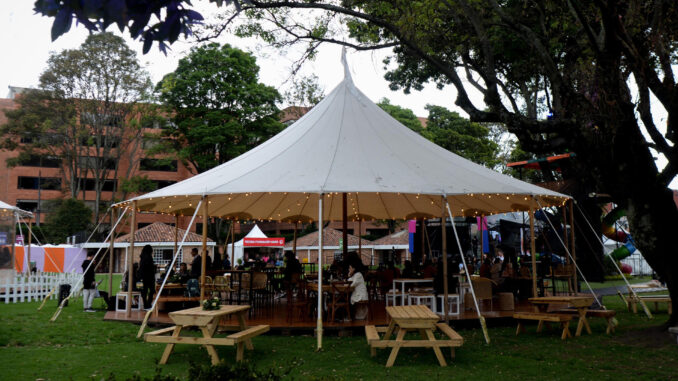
88 283
147 275
196 264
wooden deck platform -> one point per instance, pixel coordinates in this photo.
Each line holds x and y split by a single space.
276 318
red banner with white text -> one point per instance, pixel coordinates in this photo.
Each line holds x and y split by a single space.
275 241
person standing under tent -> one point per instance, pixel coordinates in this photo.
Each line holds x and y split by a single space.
88 284
147 275
195 265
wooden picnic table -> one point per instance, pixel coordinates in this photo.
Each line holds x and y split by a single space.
580 303
208 322
407 318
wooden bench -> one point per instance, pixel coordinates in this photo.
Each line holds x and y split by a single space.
563 319
632 302
453 340
608 315
239 338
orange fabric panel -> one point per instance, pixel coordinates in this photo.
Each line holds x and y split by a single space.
19 258
54 260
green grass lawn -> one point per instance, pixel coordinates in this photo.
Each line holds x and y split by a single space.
82 346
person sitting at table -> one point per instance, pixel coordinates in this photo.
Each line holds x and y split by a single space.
495 270
429 270
485 268
359 289
292 266
184 275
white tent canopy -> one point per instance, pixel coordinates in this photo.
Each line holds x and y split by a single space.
347 143
240 245
6 208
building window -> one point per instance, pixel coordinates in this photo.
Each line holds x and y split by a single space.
89 185
163 256
27 205
41 161
90 162
44 183
158 165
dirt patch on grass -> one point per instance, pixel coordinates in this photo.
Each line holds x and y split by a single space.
651 337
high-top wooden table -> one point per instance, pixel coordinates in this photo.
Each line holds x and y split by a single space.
208 322
580 303
406 318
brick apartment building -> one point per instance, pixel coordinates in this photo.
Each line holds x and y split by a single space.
35 181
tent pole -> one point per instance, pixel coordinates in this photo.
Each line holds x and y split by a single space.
233 244
360 240
130 256
533 252
570 290
176 236
28 252
203 260
319 326
344 225
423 243
110 256
294 248
575 285
443 232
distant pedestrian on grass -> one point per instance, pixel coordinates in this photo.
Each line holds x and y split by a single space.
88 284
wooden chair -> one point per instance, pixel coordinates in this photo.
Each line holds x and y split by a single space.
483 289
297 305
341 297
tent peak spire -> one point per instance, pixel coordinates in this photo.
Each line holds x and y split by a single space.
347 72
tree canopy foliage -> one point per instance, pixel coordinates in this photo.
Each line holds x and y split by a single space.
85 113
67 217
449 130
220 109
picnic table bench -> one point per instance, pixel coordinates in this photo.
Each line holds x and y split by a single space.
541 317
405 318
632 301
608 315
208 322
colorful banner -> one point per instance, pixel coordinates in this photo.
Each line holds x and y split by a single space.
263 242
482 227
411 228
50 259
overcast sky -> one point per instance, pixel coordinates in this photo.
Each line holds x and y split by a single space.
26 44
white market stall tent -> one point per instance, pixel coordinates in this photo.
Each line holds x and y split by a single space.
240 245
346 148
